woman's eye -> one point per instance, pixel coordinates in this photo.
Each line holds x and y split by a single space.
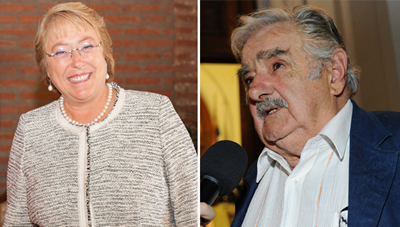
277 66
60 52
88 46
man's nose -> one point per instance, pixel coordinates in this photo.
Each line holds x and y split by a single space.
260 87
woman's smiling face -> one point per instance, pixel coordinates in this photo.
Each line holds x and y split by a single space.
79 78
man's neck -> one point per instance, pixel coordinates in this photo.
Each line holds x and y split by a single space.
291 147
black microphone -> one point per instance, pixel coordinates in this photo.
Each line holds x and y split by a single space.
222 167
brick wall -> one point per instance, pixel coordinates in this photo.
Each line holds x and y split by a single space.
155 49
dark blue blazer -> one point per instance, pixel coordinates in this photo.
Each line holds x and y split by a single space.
374 171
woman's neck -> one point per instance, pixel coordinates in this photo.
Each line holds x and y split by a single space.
87 112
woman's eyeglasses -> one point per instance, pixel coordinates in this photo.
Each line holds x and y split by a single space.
61 54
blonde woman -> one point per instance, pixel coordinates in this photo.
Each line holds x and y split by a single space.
100 155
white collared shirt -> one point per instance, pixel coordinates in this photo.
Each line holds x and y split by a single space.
315 192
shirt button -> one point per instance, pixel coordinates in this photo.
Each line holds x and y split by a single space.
295 180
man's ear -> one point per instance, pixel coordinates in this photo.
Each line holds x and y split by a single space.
339 70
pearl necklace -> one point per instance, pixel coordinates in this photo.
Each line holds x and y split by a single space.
96 119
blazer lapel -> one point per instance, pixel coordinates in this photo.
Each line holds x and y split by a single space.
250 186
372 168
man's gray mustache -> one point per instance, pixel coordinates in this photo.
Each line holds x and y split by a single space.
267 103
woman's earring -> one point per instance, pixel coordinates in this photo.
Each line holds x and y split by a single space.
50 88
107 77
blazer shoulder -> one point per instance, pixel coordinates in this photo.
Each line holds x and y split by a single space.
390 120
146 99
376 128
144 95
388 117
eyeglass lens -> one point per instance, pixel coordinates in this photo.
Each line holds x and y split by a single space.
63 53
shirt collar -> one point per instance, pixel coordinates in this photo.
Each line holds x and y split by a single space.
263 163
266 160
336 132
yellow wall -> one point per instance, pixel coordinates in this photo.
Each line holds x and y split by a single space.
219 89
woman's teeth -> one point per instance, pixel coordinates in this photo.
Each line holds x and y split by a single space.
79 78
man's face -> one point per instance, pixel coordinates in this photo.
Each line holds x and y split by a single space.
275 67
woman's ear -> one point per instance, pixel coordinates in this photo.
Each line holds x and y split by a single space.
339 70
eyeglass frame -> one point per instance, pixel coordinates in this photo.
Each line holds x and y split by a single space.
70 52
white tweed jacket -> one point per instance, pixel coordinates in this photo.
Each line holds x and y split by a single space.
138 167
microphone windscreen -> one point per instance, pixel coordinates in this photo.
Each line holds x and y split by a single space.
226 161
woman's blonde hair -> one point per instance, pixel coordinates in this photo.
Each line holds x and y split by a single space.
76 14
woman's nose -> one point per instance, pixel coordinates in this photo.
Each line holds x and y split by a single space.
76 59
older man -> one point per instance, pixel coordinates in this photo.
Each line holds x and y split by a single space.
324 156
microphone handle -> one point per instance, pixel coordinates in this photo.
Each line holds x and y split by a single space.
209 189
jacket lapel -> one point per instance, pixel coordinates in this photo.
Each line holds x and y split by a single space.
250 186
372 168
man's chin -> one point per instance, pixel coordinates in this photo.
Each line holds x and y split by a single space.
271 137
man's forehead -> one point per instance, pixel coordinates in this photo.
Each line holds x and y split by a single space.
270 51
267 54
270 42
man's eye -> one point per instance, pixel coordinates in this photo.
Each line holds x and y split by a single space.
248 80
277 66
